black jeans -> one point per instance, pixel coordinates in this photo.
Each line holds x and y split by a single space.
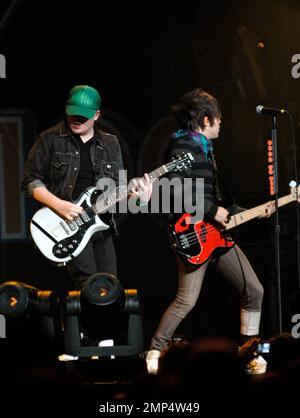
98 256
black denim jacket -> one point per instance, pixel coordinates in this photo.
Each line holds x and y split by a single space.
54 160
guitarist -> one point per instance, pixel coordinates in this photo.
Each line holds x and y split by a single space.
70 157
199 117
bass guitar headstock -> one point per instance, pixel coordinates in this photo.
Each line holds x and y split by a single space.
295 190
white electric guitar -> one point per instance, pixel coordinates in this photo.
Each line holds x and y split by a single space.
61 240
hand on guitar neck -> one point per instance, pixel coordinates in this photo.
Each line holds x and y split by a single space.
222 216
269 210
141 188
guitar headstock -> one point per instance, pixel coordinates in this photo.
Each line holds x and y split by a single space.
295 190
182 161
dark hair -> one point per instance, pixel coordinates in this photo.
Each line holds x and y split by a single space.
193 107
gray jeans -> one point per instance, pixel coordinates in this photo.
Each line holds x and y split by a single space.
234 266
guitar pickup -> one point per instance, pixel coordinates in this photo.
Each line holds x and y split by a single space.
84 216
72 225
78 221
64 226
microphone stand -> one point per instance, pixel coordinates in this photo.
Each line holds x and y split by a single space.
277 226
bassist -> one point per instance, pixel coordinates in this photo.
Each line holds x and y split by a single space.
199 118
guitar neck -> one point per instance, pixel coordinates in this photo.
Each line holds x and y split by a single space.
122 192
249 214
160 171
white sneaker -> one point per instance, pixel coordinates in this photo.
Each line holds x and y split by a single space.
152 361
257 366
67 357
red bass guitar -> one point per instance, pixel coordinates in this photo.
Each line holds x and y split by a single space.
196 242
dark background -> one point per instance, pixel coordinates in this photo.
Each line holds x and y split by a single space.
142 58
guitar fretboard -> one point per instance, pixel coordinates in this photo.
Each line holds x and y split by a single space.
122 192
160 171
249 214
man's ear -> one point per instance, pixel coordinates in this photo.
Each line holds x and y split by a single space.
206 121
97 115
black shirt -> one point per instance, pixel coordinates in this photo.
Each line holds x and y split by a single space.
86 173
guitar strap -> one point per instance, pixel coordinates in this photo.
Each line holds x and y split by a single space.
104 151
219 183
105 155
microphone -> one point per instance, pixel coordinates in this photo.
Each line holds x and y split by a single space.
269 110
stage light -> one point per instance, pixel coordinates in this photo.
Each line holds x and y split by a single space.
102 290
31 314
102 310
18 297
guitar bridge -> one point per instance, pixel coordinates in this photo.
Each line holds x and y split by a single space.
184 243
